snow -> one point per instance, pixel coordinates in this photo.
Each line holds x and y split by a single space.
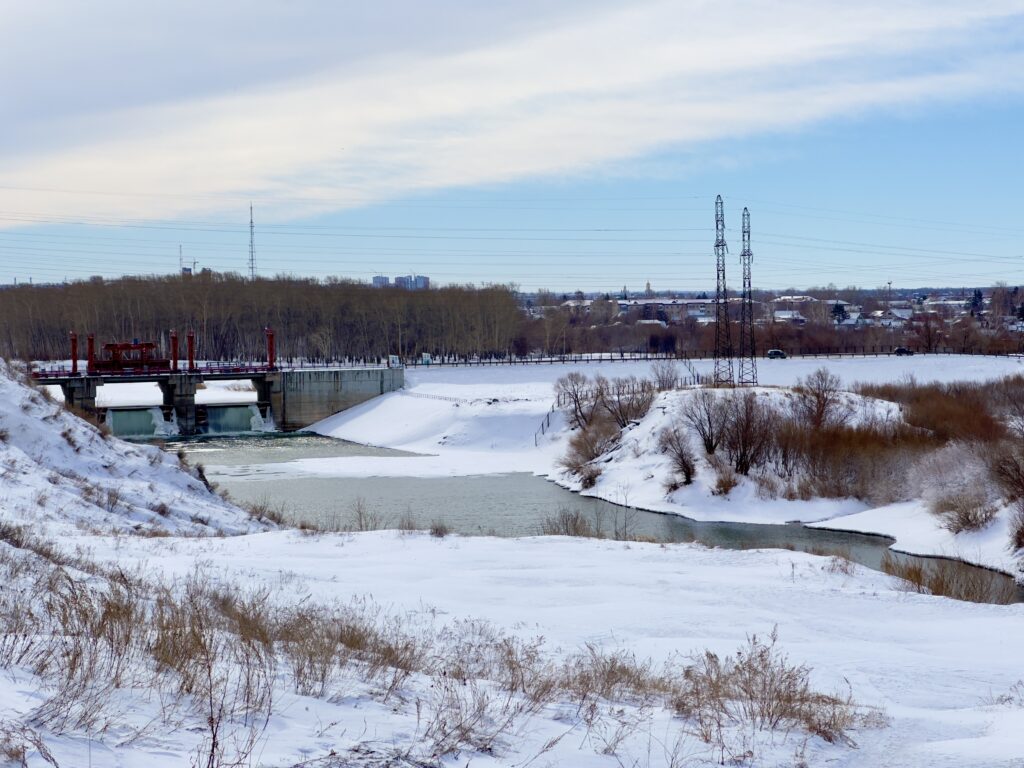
928 663
483 420
133 394
56 467
916 531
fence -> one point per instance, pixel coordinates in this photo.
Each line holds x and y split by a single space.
697 354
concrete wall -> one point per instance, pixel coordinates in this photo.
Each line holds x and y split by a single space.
300 398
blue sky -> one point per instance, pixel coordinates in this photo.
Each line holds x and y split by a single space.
575 148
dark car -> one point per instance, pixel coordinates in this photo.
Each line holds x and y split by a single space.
775 354
901 351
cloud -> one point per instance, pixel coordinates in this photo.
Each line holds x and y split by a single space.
581 92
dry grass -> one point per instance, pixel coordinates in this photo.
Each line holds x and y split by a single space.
212 655
951 579
957 411
725 478
967 510
568 522
758 689
439 529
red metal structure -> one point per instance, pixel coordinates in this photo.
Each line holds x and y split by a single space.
174 351
142 359
271 351
124 358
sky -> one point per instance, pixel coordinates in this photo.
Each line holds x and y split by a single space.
571 145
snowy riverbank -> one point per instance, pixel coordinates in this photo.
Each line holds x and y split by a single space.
470 421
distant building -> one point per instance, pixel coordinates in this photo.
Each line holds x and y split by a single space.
422 283
404 281
381 281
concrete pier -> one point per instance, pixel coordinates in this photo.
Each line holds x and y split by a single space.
80 393
179 391
299 398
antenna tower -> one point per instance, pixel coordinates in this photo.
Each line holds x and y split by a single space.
723 338
748 362
252 246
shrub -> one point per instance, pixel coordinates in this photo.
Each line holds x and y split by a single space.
968 510
1007 468
589 442
1017 529
725 478
956 411
673 441
439 529
758 689
576 392
568 522
949 578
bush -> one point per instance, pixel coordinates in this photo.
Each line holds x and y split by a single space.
590 442
673 441
758 689
439 529
1017 529
725 478
949 578
568 522
956 411
968 510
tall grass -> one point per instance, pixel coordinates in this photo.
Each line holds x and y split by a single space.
948 578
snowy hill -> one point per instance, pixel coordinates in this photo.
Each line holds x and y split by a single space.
57 468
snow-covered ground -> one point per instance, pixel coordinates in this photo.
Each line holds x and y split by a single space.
937 671
933 665
480 420
55 467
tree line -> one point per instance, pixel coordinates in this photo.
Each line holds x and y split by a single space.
312 319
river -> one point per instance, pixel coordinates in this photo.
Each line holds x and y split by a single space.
254 469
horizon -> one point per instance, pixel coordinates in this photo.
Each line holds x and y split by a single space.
581 146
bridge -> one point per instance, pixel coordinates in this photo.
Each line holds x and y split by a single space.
293 397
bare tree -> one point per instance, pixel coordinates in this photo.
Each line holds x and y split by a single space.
673 440
664 374
819 400
707 414
578 394
749 431
626 399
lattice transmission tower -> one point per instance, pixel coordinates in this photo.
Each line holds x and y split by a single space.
723 336
748 361
252 245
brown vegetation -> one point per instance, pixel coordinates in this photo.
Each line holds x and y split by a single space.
212 655
951 579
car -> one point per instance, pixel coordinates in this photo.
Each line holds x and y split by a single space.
775 354
901 351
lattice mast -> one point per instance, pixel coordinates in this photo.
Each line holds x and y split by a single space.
252 245
723 336
748 360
